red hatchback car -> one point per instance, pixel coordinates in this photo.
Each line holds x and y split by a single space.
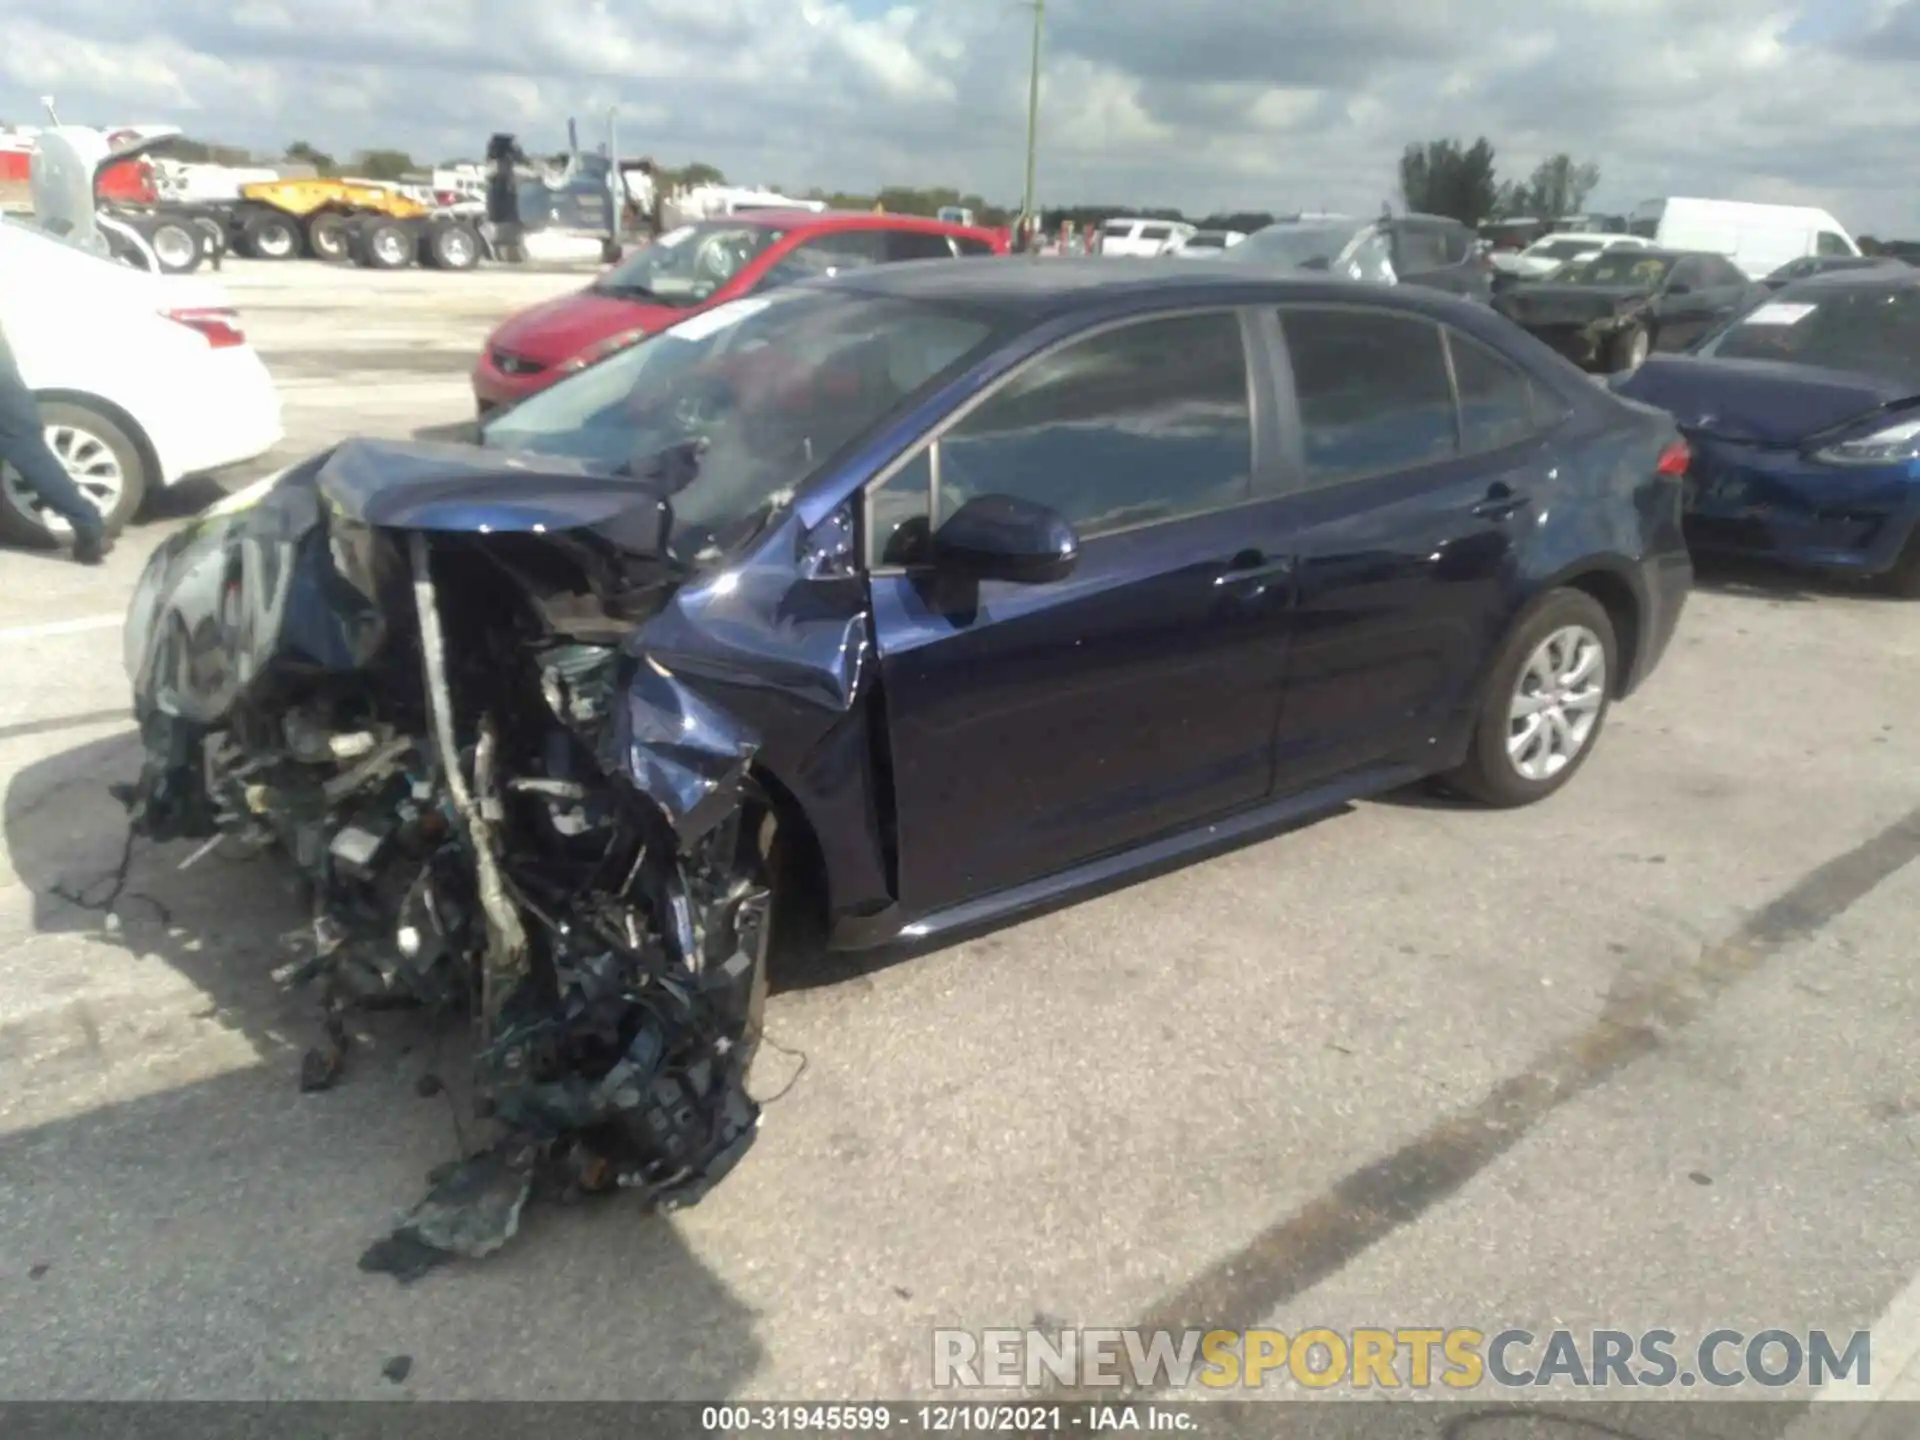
689 269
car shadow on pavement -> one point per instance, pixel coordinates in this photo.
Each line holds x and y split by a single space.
1762 580
172 1193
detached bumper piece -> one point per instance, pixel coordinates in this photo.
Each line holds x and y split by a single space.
440 766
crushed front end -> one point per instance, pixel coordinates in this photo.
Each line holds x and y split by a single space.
410 669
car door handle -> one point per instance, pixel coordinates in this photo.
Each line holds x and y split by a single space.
1500 503
1252 565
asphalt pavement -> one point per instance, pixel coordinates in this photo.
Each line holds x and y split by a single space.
1643 1056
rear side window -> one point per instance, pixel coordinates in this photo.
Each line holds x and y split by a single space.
1373 391
1145 423
828 254
969 246
1156 232
1831 244
1499 405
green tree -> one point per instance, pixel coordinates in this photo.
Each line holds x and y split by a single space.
1440 177
1559 186
698 172
301 153
383 164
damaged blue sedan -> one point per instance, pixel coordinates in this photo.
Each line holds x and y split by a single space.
877 608
1804 418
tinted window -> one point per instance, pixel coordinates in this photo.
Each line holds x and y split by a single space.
1373 391
897 514
970 246
828 255
1143 423
1689 272
1498 404
1155 232
1831 244
1869 328
917 245
1418 248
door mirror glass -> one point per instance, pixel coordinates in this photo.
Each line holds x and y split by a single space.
1002 537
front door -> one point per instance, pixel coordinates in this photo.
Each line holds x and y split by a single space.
1035 726
1404 535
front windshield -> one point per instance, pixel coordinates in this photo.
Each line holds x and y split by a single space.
1618 267
684 267
734 408
1868 329
1294 247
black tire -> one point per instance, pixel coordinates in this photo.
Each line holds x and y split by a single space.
213 236
25 526
178 244
269 235
383 244
1903 580
450 246
611 252
1489 775
328 236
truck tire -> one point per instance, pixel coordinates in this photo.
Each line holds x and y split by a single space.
380 243
327 236
450 245
214 234
269 235
96 449
179 245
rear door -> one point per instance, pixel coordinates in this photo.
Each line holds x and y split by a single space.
1691 303
1411 506
1036 726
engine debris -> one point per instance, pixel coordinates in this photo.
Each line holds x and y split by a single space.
492 804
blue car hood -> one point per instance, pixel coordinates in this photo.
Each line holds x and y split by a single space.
420 486
1761 402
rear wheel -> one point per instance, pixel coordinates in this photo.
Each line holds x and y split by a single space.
1630 349
327 235
1544 707
269 235
178 245
451 247
384 245
101 457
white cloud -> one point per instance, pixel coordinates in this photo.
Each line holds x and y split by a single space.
1205 104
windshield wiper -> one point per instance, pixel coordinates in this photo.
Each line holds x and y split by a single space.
623 290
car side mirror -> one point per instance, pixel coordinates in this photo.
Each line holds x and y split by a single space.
1002 537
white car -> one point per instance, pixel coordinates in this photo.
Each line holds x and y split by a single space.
1545 256
143 379
1125 235
1208 244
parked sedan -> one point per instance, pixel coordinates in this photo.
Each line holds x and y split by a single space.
1802 415
1808 266
143 379
692 268
1428 250
1612 311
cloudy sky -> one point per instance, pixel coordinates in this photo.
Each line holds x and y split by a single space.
1197 103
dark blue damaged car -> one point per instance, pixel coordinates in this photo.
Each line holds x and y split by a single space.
1804 420
877 608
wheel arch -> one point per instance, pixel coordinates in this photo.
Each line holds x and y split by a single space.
156 476
1626 611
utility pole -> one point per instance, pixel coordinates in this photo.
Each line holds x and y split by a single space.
1033 107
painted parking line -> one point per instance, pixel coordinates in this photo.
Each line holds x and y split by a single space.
1896 1379
62 627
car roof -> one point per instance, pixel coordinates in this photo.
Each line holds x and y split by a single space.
1041 287
1863 277
842 220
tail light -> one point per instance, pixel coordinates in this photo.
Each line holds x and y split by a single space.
1674 460
220 328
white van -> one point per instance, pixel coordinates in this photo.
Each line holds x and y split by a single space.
1757 238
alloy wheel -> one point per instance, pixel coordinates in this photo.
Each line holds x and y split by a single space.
391 247
1556 702
93 466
